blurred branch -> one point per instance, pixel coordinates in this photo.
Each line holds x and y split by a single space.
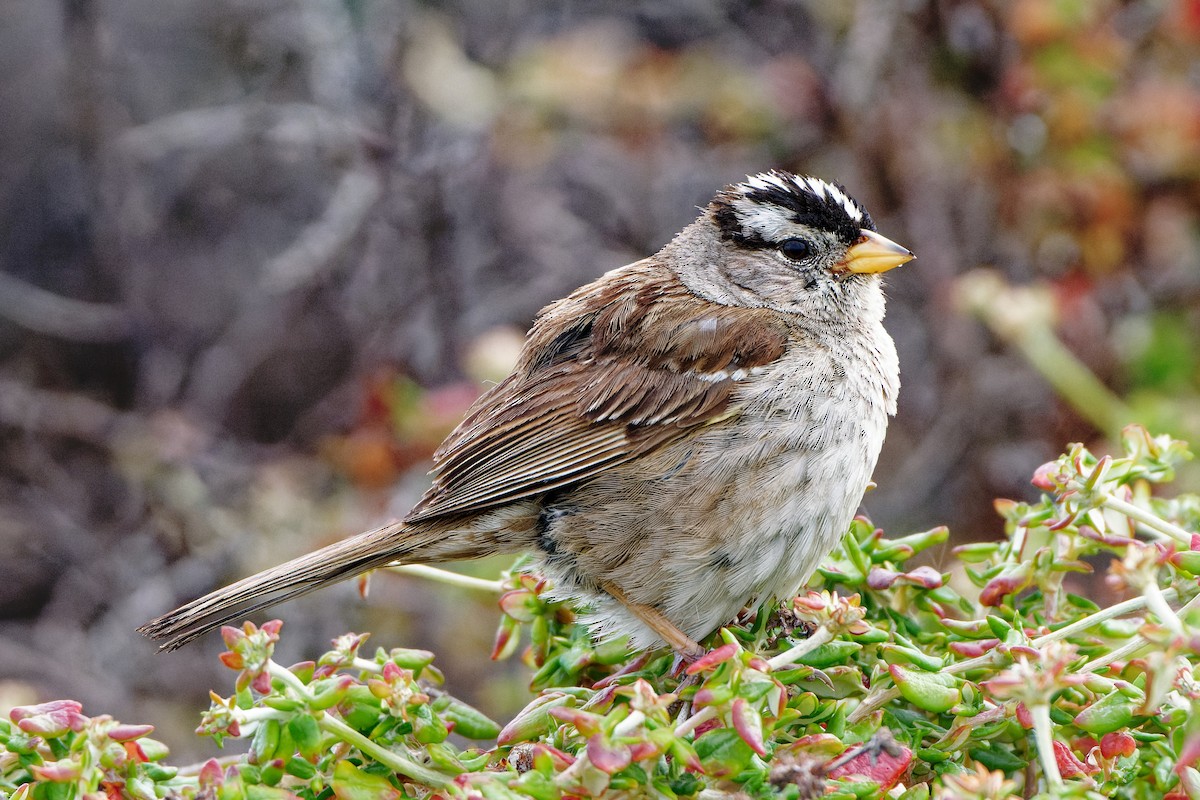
260 319
45 312
222 126
1023 317
318 243
870 39
58 413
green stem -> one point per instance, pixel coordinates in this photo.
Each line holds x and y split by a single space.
1137 643
696 720
1043 734
1103 615
391 760
1071 379
1150 520
290 678
330 724
820 636
449 578
1158 604
995 658
1127 650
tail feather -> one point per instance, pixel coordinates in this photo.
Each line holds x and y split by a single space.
310 572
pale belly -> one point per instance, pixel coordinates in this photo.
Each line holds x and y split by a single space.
729 519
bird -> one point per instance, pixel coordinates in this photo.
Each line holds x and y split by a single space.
685 436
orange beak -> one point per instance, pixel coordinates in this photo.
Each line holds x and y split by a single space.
874 253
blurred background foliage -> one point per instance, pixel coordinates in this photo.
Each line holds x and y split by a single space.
257 257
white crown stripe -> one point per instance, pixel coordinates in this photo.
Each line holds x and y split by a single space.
806 183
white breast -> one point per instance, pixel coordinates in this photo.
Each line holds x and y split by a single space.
812 427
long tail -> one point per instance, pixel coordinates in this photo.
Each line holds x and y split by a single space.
331 564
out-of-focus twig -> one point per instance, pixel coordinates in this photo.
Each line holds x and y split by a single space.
870 39
45 312
1023 317
58 413
320 242
213 128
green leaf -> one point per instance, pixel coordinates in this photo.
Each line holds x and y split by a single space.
995 757
360 709
262 792
930 691
1188 561
999 626
265 741
908 546
896 654
351 783
538 786
918 792
1110 713
306 734
272 773
428 728
467 720
830 653
861 563
299 768
414 660
723 752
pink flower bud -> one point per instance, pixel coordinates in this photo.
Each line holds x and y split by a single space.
124 733
1043 476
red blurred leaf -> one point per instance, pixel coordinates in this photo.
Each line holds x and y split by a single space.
713 658
1069 764
748 725
608 757
876 763
1117 743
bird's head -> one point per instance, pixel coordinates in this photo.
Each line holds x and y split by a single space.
798 244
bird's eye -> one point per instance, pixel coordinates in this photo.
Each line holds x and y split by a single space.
795 249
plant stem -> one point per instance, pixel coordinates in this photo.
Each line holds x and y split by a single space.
877 701
393 761
1137 642
1043 734
449 578
1158 604
820 636
695 721
1095 618
1150 520
290 678
330 724
1073 381
1120 654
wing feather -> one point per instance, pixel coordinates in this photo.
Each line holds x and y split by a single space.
617 369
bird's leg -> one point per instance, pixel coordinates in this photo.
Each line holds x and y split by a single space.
679 641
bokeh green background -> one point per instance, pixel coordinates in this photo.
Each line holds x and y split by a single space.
256 257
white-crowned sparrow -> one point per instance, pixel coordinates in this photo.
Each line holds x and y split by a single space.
685 435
